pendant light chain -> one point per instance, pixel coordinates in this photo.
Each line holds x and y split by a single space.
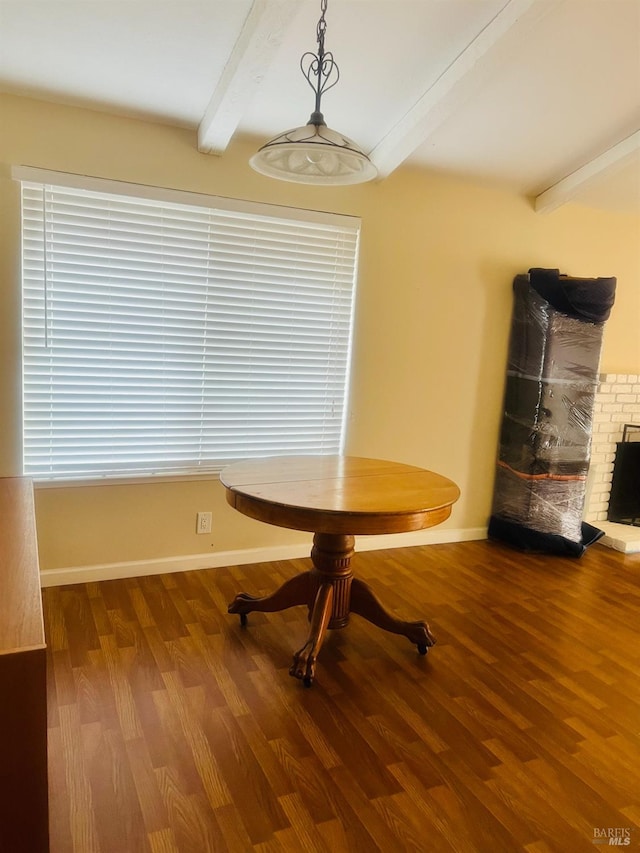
321 66
322 25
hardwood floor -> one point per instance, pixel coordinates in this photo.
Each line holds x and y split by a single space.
172 728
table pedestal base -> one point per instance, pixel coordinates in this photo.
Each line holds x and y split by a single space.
331 593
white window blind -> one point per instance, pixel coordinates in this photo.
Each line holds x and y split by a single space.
168 337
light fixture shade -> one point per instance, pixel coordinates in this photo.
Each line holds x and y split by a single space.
314 154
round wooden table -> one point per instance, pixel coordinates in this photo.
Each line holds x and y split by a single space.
336 498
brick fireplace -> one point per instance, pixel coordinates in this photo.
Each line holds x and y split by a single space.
617 402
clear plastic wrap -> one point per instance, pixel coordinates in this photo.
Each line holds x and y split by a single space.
548 406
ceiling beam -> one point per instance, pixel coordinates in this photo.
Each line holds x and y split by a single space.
604 164
456 84
252 54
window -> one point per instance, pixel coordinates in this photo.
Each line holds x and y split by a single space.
172 333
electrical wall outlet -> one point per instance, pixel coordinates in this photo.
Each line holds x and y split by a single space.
203 522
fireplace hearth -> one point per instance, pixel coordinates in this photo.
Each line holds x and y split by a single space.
617 402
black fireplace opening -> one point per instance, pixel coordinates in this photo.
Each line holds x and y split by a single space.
624 501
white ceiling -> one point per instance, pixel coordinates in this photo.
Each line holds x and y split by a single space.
536 95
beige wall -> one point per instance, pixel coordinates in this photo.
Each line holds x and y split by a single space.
434 301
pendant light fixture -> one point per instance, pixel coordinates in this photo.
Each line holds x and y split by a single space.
315 154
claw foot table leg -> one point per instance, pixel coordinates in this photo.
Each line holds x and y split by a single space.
296 590
367 605
304 660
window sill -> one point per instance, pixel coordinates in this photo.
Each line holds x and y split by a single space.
124 480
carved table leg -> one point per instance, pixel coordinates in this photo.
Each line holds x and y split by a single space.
296 590
331 555
304 660
367 605
331 576
330 592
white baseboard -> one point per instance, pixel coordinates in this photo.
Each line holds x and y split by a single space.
138 568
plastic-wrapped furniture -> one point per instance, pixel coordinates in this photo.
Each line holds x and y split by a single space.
545 440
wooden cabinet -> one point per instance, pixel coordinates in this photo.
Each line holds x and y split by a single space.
24 820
